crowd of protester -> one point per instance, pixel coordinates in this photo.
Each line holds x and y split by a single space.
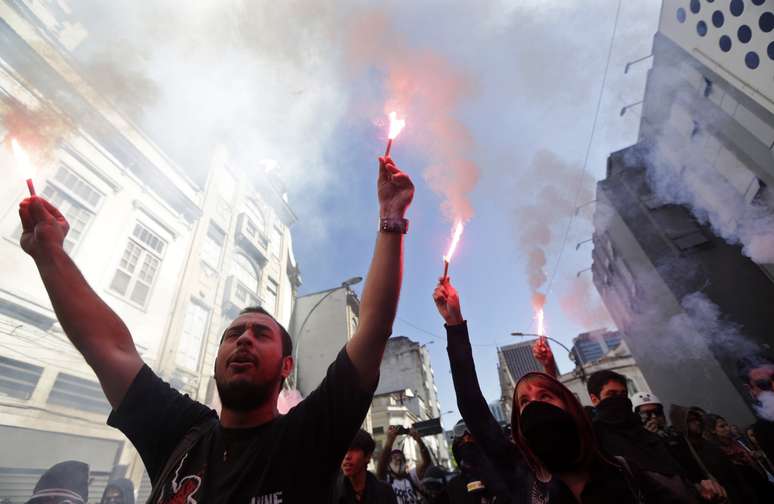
554 450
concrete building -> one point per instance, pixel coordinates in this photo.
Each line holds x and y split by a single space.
322 323
175 258
618 359
407 393
680 215
513 362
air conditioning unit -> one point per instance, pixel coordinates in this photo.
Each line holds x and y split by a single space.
236 296
251 239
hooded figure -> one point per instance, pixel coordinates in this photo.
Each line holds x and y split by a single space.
65 482
118 491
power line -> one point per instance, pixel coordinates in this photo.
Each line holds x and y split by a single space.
588 149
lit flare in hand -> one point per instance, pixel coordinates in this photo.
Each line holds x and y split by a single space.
456 235
396 126
23 160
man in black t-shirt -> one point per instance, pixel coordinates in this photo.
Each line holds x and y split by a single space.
250 454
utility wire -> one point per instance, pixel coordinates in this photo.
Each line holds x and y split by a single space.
588 150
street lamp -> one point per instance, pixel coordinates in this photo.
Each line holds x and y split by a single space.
578 274
627 107
346 284
634 62
572 353
577 208
577 245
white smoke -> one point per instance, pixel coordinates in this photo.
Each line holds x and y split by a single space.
765 408
689 167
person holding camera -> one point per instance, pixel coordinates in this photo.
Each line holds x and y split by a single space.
392 466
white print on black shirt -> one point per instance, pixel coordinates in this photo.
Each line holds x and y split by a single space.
272 498
404 491
184 489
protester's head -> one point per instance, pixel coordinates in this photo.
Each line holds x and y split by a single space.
254 358
757 374
65 482
119 491
717 428
358 455
694 421
434 483
606 384
648 407
397 463
550 426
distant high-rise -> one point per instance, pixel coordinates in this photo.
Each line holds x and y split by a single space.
513 362
593 345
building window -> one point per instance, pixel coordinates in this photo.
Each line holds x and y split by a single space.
631 386
271 296
276 241
76 199
213 245
74 392
18 379
192 339
250 229
247 278
139 265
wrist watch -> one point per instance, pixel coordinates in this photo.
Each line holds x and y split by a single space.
393 225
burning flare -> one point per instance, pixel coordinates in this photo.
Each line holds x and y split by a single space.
396 126
23 160
456 234
541 329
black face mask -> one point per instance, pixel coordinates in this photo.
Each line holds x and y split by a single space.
617 410
552 435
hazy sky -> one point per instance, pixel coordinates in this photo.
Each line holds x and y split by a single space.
499 98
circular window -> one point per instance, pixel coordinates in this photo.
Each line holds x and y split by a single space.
725 43
701 28
681 15
752 60
695 6
737 7
766 21
744 33
770 50
717 19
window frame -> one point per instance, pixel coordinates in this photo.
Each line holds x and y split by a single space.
134 276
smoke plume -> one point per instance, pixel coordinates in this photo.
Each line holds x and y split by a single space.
39 130
428 89
687 167
581 305
554 184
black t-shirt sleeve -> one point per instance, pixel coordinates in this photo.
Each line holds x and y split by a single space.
325 422
155 417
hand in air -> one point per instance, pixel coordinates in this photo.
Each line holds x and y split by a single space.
44 228
394 188
448 302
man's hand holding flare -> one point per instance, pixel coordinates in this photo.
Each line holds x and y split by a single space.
542 352
44 228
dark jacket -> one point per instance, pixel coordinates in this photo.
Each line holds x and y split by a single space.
376 492
624 436
608 482
764 434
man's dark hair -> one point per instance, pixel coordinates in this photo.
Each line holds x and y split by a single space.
363 441
287 341
750 362
598 380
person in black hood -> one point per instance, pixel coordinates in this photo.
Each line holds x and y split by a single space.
65 482
553 456
118 491
477 481
620 433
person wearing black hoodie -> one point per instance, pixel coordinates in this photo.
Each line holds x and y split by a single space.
553 456
476 482
65 482
118 491
620 433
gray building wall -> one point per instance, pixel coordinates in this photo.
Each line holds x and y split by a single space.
319 335
709 119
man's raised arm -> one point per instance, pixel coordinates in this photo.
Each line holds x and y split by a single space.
382 288
95 330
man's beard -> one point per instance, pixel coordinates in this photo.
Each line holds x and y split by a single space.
243 395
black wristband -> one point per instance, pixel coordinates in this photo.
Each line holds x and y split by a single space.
393 225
